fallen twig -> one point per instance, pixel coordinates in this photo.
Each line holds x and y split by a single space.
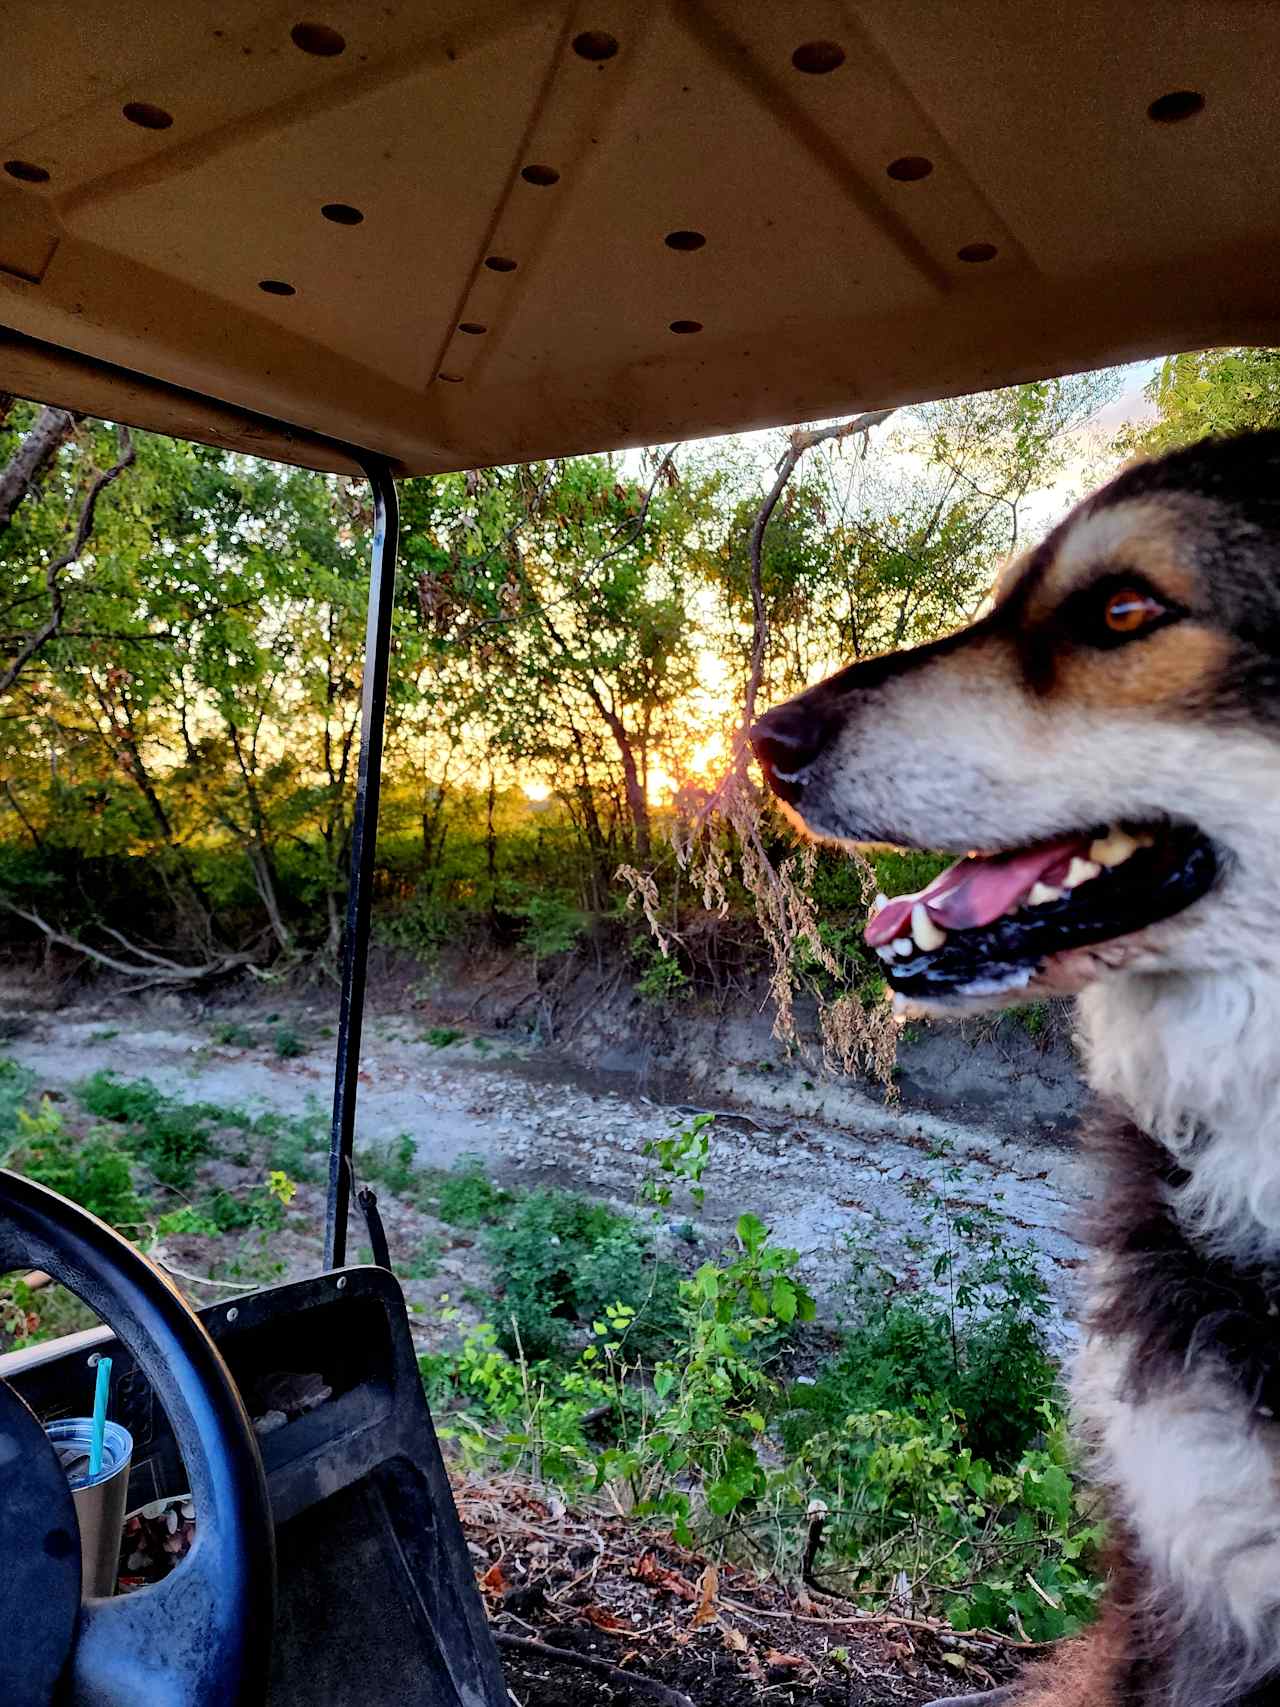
602 1668
196 1279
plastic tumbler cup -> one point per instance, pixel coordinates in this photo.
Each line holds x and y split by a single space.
99 1500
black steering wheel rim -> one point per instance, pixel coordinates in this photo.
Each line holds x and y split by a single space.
202 1635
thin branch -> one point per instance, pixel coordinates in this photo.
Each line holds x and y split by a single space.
53 572
625 534
616 1674
801 441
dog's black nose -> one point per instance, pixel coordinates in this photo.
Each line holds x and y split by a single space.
786 741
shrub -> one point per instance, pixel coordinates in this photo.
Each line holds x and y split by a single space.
392 1162
467 1197
171 1137
663 979
536 1257
232 1036
551 927
95 1172
288 1045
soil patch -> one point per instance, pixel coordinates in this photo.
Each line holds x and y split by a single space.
655 1622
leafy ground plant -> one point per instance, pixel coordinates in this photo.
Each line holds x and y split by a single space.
924 1468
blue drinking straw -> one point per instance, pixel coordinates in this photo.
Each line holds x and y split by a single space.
99 1416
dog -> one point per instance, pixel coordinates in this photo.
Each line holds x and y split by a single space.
1107 737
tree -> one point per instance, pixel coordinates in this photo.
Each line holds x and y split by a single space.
563 589
34 600
891 538
1208 391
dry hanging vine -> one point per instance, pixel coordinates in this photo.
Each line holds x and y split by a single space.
729 822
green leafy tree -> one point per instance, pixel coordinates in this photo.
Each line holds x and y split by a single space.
1206 392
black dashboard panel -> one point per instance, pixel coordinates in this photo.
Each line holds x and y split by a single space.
377 1601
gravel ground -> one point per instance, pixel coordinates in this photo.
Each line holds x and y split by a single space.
823 1188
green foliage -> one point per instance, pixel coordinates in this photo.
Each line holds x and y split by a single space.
15 1085
932 1442
287 1044
550 927
441 1036
1209 392
663 979
559 1259
681 1156
972 1344
424 1264
170 1136
467 1197
95 1172
1010 1550
295 1142
233 1036
393 1162
261 1206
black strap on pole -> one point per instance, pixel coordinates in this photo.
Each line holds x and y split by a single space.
364 836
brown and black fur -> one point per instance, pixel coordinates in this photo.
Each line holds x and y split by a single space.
1030 725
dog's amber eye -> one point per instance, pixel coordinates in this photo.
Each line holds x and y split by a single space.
1129 609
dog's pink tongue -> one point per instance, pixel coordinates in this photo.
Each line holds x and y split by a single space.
974 890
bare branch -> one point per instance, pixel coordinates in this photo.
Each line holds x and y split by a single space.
801 441
53 572
153 969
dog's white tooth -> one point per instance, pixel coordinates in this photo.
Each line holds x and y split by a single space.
1080 871
1041 894
923 929
879 905
903 946
886 953
1113 848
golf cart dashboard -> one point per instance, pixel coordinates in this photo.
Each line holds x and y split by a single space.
317 1367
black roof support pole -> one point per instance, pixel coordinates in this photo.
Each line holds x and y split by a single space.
364 836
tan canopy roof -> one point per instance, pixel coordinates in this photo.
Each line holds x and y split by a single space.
461 233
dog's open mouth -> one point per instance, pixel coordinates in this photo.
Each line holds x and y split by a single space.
992 922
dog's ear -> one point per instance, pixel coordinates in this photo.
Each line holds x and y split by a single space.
1242 471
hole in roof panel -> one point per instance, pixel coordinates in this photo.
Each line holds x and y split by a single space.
541 175
146 115
685 241
1177 105
500 263
472 327
685 327
25 172
976 252
909 169
450 378
319 39
276 287
818 57
342 213
595 44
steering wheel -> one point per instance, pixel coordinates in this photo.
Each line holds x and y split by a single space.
199 1638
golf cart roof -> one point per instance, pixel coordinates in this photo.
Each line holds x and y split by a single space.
486 231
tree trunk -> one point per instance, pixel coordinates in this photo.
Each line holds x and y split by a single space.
52 428
637 799
491 851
